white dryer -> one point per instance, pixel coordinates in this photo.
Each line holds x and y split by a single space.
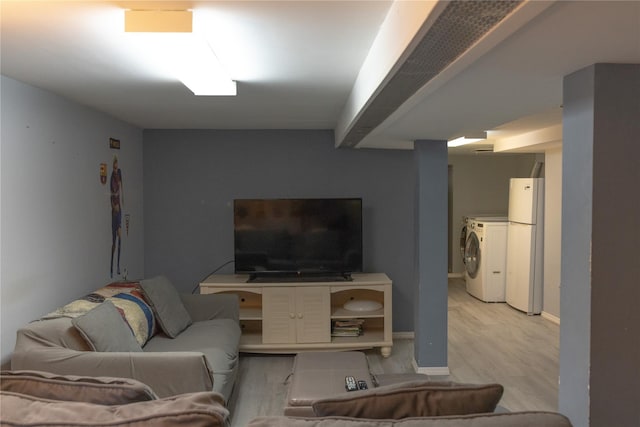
486 258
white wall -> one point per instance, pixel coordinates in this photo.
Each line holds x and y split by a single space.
552 234
56 215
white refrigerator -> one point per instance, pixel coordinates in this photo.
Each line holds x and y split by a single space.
525 245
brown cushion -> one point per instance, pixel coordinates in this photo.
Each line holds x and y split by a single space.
412 399
103 390
192 409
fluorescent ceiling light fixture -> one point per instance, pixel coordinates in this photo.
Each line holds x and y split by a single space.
167 37
463 140
158 21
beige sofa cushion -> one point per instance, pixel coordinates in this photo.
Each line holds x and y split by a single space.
103 390
514 419
193 409
412 399
167 305
105 330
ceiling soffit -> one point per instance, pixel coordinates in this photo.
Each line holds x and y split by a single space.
460 25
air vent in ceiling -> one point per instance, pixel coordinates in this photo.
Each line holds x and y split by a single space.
459 26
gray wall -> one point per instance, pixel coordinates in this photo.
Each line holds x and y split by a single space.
430 305
191 178
600 328
615 262
56 215
481 186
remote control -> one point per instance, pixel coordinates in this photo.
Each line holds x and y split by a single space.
350 384
362 385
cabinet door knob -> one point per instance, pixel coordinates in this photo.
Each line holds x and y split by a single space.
292 315
299 315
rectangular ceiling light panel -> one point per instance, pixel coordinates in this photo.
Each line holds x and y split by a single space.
158 21
467 139
168 39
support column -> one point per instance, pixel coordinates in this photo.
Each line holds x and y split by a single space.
430 303
600 288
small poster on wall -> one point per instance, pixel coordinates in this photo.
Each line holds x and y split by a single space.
103 173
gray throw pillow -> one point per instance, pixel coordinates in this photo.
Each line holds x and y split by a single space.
165 300
104 329
412 399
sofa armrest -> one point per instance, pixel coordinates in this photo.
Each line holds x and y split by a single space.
205 409
167 373
211 306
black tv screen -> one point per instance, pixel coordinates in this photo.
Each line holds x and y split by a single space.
298 236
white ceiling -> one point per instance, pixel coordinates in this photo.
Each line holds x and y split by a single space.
296 64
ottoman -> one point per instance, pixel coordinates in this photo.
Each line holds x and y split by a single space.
318 375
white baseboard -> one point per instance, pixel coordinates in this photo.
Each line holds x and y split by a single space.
550 317
403 335
431 370
455 275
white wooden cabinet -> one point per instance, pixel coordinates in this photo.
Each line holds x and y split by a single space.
296 315
287 317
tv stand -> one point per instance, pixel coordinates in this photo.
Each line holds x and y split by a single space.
289 316
303 277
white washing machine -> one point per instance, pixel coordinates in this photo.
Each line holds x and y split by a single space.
485 257
463 237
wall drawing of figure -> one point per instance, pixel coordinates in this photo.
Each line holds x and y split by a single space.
117 202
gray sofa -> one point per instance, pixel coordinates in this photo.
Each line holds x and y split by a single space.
39 398
200 354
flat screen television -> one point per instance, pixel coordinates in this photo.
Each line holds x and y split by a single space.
279 238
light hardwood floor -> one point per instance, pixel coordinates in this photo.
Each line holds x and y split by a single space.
496 343
487 343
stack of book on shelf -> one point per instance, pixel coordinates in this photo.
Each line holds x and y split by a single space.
347 328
